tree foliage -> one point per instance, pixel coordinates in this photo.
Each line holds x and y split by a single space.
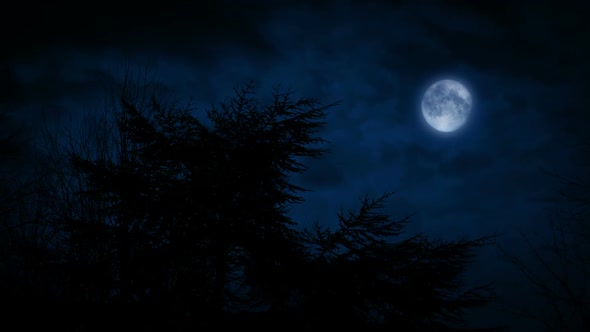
185 224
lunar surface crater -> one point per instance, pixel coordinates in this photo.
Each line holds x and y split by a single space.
446 105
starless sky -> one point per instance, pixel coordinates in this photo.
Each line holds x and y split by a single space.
524 64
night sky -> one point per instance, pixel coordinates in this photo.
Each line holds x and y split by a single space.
524 65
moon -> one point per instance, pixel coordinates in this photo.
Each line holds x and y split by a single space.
446 105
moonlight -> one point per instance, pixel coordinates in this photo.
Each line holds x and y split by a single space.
446 105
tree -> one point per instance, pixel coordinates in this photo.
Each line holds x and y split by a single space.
559 272
359 276
25 236
173 202
12 149
164 217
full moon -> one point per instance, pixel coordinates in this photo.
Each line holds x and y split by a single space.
446 105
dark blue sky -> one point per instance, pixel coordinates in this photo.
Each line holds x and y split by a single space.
523 63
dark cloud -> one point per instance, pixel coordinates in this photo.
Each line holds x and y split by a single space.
12 90
322 173
52 77
465 164
419 154
172 27
389 153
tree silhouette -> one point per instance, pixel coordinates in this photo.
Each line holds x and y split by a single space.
178 206
559 272
167 223
359 276
25 238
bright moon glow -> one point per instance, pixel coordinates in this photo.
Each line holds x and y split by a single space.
446 105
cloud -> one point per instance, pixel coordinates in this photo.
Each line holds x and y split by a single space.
466 164
12 90
376 59
322 173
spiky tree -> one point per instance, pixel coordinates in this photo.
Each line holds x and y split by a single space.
192 218
187 205
365 274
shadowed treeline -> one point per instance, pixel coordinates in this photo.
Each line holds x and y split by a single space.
151 220
558 270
